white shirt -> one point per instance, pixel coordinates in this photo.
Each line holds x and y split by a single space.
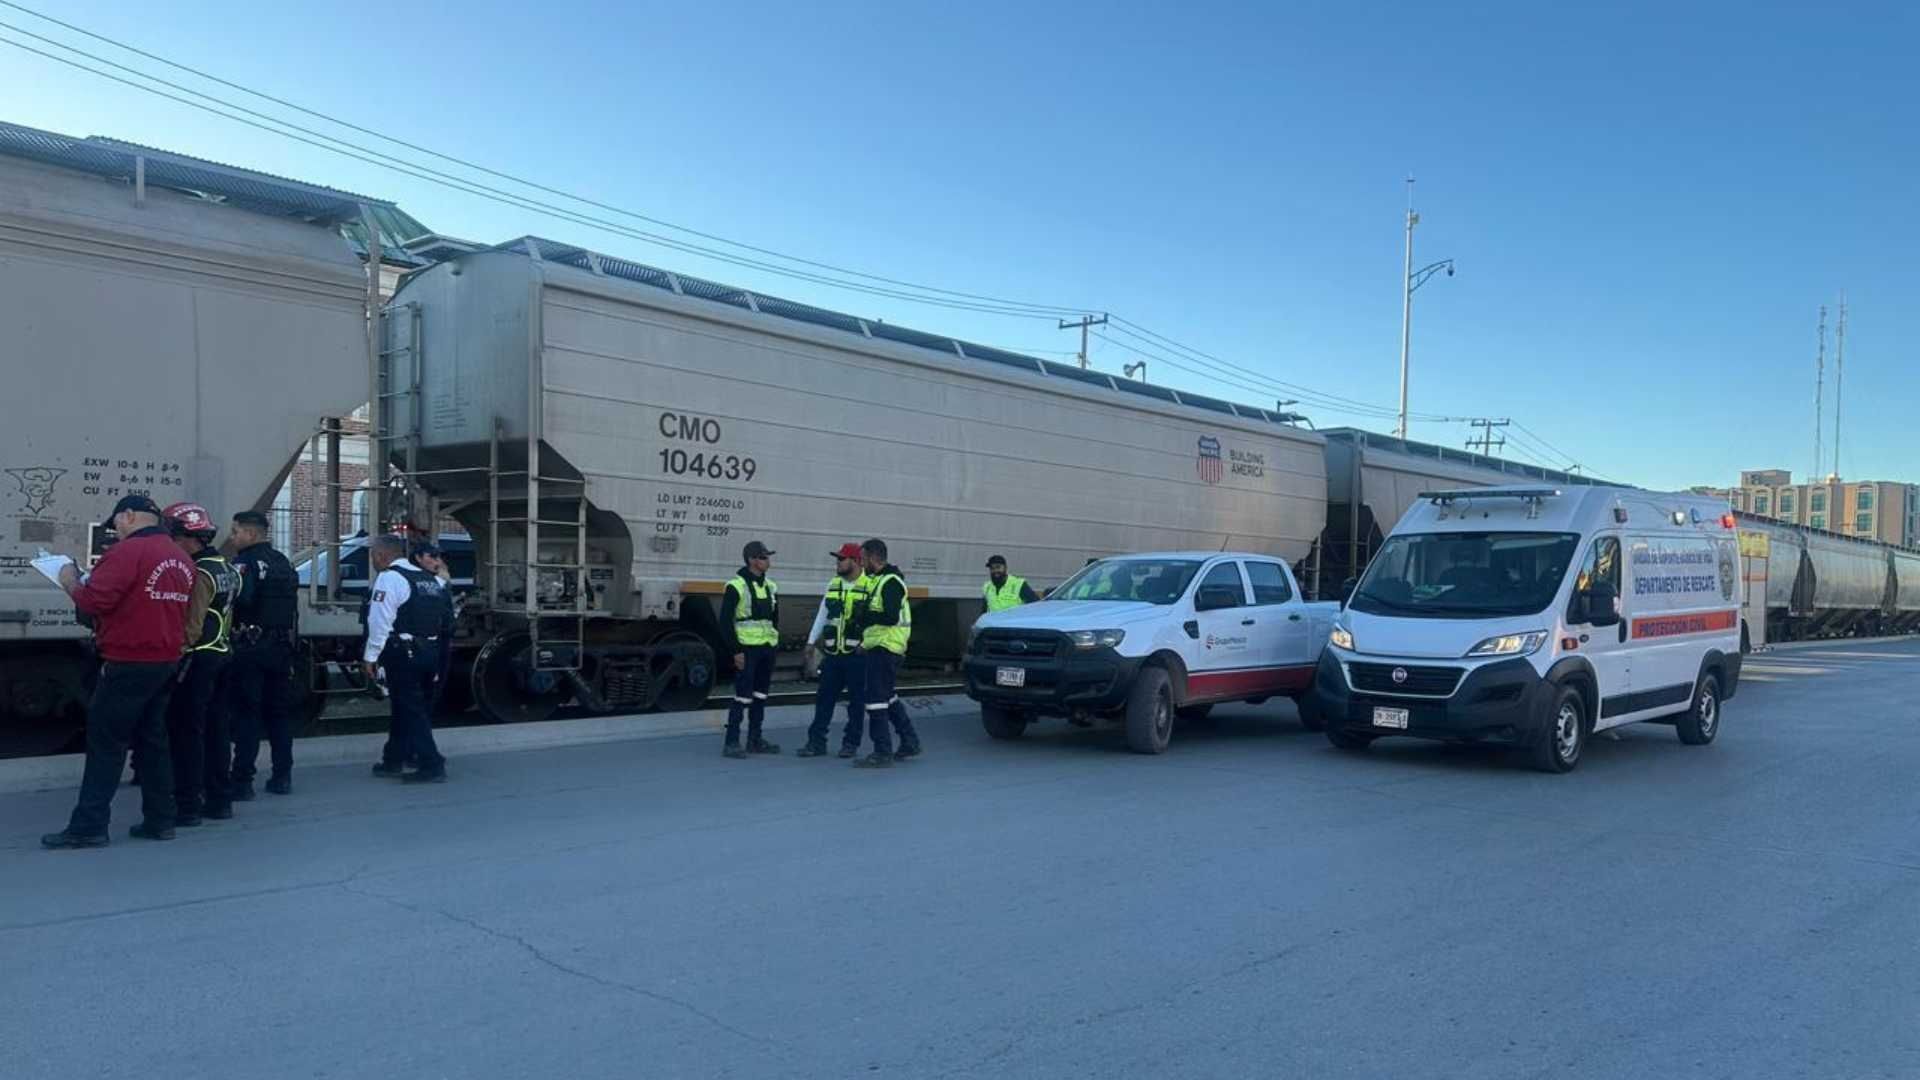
390 590
820 622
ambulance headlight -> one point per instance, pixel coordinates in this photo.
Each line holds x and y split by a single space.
1341 638
1510 644
1096 639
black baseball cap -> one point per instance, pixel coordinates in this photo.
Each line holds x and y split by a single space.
137 504
996 560
756 550
426 548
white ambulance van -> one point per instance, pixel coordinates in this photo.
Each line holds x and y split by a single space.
1535 616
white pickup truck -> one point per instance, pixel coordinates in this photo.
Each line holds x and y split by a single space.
1145 638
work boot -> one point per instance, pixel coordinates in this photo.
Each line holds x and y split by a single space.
67 838
762 746
381 768
243 791
145 831
219 813
187 821
907 750
849 750
424 776
732 750
280 785
812 749
874 761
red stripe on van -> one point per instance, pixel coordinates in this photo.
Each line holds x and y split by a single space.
1706 622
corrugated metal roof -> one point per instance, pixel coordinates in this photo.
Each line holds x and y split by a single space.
952 349
259 192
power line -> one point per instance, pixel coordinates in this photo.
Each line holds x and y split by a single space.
1224 371
477 167
470 187
1142 333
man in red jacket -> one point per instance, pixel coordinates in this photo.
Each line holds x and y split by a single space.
137 596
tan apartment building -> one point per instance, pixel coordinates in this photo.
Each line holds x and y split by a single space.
1884 510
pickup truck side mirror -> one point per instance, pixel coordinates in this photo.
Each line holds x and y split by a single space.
1597 605
1215 598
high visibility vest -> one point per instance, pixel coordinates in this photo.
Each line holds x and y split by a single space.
843 598
1006 596
891 638
215 630
753 611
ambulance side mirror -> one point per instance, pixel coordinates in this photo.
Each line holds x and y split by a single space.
1597 605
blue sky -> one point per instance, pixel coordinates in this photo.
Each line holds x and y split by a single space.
1648 203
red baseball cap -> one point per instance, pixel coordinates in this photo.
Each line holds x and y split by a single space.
848 550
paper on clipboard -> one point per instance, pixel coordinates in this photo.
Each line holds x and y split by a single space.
50 565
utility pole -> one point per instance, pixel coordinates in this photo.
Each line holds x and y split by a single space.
1084 322
1819 394
1413 280
1485 440
1839 377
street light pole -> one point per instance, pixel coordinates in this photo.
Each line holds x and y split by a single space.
1406 313
1412 282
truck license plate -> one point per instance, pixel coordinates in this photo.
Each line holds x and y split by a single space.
1012 676
1390 718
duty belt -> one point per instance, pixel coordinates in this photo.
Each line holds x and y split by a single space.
251 635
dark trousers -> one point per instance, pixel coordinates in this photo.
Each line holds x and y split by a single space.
129 705
259 679
883 705
197 734
413 670
839 672
750 685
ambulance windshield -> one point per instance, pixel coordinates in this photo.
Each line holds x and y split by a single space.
1465 575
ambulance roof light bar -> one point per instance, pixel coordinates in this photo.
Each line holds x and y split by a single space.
1533 497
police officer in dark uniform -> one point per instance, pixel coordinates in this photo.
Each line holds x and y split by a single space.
265 625
409 623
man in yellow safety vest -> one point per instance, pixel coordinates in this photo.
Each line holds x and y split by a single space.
841 665
1003 590
749 620
885 623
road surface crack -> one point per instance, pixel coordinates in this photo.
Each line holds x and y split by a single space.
543 958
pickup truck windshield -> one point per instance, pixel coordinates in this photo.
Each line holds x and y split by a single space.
1467 575
1147 581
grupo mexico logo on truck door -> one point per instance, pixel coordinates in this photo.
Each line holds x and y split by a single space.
1209 464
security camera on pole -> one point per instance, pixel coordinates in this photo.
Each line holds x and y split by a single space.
1414 279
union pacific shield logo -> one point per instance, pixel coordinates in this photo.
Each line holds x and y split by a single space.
1208 464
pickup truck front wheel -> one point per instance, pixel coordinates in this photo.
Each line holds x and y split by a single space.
1002 722
1150 712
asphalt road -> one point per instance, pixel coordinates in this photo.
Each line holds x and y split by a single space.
1253 903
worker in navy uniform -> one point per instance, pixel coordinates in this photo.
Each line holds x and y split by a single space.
409 623
885 624
430 558
749 621
260 675
197 716
841 665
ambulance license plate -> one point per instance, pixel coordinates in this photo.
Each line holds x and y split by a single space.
1390 718
1010 676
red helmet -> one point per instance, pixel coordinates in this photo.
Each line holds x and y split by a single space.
190 519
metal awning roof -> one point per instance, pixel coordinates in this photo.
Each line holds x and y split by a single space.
259 192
